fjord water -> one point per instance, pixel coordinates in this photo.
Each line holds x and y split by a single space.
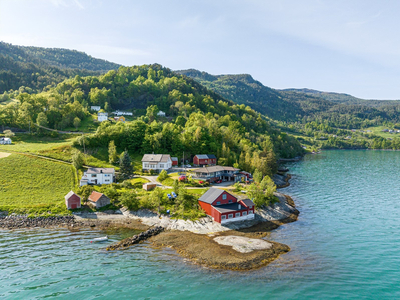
345 245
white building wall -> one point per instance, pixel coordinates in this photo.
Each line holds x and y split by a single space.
241 218
157 166
102 178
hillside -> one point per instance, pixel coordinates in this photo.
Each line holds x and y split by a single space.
198 120
341 98
35 68
292 105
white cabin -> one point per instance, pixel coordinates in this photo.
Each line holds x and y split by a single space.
95 108
161 113
102 117
5 141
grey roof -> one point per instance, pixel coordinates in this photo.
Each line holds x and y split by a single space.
214 169
248 202
211 195
233 207
100 170
205 156
174 158
156 158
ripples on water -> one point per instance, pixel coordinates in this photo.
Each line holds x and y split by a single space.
344 245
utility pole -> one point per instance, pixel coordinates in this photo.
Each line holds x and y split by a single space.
83 141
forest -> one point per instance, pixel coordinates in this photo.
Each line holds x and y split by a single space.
198 120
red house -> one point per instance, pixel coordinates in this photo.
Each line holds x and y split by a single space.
204 159
224 207
174 161
72 200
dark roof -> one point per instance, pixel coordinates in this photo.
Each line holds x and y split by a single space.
211 195
233 207
174 158
205 156
248 202
156 158
100 170
214 169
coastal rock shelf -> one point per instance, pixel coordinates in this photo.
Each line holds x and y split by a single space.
15 222
135 239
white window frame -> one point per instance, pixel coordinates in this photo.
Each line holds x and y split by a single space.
244 213
250 212
237 215
224 197
223 217
230 216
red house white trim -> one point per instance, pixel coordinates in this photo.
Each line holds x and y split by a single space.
204 159
72 200
224 207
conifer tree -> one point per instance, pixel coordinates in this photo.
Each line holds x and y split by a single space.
125 165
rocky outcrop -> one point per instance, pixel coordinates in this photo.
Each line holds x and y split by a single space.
280 211
136 239
281 181
16 221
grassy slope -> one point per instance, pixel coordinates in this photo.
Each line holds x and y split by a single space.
30 184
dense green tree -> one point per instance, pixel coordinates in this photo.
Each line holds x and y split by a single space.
78 160
125 165
77 122
112 153
130 200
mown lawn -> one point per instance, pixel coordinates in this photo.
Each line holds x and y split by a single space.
34 144
33 185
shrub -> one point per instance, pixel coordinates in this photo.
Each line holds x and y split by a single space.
129 200
163 175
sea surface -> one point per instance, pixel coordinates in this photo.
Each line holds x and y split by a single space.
345 245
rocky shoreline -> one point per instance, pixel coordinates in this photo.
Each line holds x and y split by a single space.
19 222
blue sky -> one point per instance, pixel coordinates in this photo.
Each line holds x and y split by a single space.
339 46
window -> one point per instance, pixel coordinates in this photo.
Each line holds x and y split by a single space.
161 166
230 216
219 203
146 165
237 215
250 212
244 213
230 201
94 175
224 197
223 217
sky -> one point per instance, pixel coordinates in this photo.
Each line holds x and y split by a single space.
350 46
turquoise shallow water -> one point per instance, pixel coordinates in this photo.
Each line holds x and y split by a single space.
345 245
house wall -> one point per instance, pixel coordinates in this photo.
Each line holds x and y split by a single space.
103 201
102 178
73 201
224 201
156 166
207 207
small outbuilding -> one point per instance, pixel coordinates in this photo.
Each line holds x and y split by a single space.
174 161
5 141
204 160
149 186
98 199
72 200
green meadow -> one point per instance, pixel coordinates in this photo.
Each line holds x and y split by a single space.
33 185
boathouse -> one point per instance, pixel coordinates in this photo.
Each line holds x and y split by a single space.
223 207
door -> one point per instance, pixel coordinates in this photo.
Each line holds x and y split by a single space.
74 205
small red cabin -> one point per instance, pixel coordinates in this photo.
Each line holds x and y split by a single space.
224 207
174 161
72 200
204 159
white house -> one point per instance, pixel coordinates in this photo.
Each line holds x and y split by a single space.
102 116
95 108
161 113
5 141
98 176
156 162
122 113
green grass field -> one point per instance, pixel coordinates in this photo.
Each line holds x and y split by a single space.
34 144
33 185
